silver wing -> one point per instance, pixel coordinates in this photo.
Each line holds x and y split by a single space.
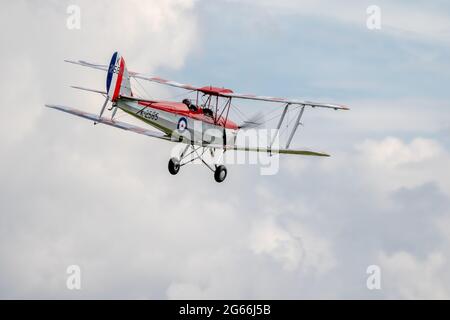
225 95
159 135
269 150
109 122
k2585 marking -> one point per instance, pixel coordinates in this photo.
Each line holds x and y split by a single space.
147 114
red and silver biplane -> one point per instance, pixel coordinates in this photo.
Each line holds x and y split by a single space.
201 124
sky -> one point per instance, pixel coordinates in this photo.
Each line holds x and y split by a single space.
102 199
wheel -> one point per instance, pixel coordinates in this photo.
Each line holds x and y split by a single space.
220 174
174 166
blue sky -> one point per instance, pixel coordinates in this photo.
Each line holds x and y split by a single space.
259 49
292 54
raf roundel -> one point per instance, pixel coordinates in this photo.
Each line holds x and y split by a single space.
182 124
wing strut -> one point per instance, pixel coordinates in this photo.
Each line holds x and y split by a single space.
103 109
279 124
297 123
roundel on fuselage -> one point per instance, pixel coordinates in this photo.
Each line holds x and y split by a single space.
182 124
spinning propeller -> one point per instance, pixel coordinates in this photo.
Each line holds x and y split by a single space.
254 122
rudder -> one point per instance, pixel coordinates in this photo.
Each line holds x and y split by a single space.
118 80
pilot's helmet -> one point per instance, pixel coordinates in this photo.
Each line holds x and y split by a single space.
187 102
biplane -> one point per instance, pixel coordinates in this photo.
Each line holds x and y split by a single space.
202 123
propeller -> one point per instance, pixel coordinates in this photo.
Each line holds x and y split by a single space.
254 122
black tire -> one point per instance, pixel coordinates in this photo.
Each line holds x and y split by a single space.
220 174
174 166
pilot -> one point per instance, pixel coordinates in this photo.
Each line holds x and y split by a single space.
208 112
190 105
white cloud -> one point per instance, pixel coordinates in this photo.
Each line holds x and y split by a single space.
299 248
405 276
393 152
16 119
185 291
392 163
52 205
268 238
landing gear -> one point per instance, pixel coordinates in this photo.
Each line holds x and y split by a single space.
174 166
220 174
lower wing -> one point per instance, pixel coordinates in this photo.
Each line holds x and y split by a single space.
268 150
113 123
160 135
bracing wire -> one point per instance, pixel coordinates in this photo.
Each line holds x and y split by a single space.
143 88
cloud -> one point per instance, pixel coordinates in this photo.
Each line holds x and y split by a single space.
49 156
397 164
272 240
392 152
301 248
406 277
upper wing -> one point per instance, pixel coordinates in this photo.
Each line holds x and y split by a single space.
221 93
89 64
113 123
137 75
286 101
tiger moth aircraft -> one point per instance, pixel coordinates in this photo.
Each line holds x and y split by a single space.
203 124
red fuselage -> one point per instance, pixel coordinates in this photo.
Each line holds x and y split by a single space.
181 109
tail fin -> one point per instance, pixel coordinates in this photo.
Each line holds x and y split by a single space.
118 79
